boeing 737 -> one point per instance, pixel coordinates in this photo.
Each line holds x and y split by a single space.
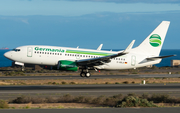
66 58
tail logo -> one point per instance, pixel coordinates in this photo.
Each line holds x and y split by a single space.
155 40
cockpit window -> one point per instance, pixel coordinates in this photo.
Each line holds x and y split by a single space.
16 50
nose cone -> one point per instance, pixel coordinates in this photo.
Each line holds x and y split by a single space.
8 55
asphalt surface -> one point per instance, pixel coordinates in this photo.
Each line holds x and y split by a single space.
92 77
7 92
96 110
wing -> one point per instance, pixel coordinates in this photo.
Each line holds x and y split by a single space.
105 59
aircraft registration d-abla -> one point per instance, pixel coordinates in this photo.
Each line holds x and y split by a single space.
66 58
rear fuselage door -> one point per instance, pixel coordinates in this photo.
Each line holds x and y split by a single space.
133 60
29 51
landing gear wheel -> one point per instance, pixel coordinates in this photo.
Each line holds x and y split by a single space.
23 68
88 74
82 74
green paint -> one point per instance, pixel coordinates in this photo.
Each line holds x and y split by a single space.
68 65
49 49
88 52
155 40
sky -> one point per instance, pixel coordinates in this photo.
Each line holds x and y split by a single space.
86 23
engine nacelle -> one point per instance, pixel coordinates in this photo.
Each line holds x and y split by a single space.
67 65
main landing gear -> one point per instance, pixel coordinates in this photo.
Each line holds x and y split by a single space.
85 74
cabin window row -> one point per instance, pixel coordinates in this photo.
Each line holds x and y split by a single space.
85 56
90 56
48 53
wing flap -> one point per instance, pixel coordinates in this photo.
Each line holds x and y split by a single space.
160 57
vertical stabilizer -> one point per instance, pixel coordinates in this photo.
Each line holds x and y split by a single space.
153 43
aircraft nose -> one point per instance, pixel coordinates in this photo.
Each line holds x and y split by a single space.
7 55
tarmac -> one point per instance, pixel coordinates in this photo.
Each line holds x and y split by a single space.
96 110
8 92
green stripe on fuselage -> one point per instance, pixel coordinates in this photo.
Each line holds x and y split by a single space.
88 52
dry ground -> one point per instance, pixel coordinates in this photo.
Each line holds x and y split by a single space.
90 81
53 105
71 105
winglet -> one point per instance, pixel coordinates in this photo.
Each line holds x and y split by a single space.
128 49
100 46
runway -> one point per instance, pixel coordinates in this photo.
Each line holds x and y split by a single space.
96 110
88 90
92 77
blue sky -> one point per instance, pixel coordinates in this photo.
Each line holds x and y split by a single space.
86 23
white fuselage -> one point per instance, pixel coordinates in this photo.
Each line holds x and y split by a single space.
50 55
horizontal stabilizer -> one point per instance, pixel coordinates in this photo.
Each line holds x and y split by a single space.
128 49
160 57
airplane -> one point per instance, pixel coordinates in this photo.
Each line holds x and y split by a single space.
72 59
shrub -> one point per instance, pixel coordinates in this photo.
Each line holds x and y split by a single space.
49 82
22 99
66 98
117 83
110 101
107 83
54 83
133 82
131 94
51 100
157 98
80 99
125 82
72 83
3 104
63 82
119 96
131 101
144 96
99 100
26 99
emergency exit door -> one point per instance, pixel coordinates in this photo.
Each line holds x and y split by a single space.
133 60
29 51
